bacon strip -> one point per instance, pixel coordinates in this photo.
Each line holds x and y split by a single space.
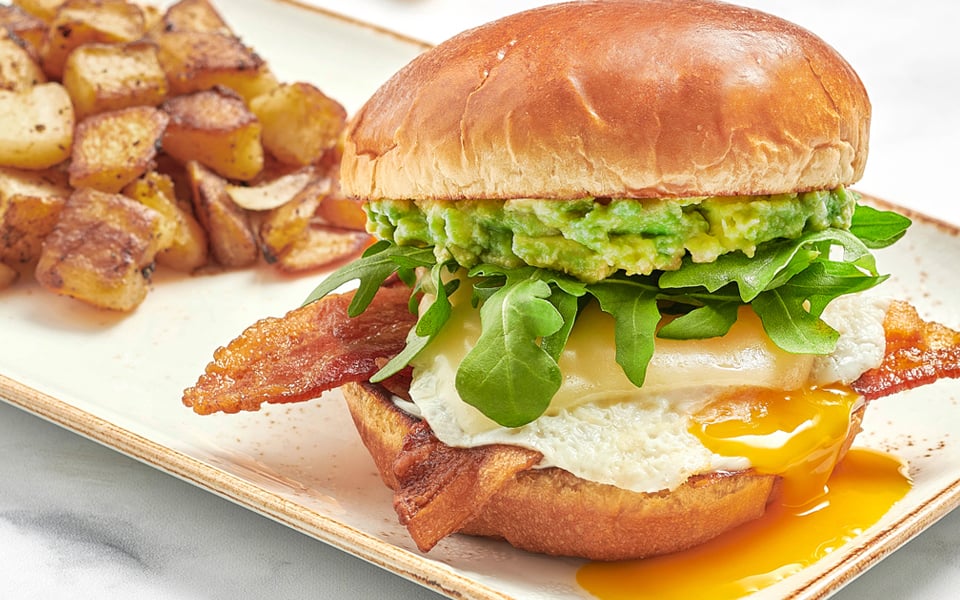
441 488
918 353
297 357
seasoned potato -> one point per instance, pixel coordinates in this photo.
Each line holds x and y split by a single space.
79 22
18 70
114 148
299 122
184 242
232 241
105 77
44 10
30 203
194 15
271 193
215 128
201 60
8 276
36 126
337 210
320 246
25 27
281 227
101 250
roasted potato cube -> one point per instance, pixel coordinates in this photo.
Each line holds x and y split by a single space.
45 10
336 210
184 242
215 128
25 26
36 126
30 203
194 15
284 225
101 250
8 276
18 70
299 122
232 241
79 22
201 60
319 247
114 148
104 77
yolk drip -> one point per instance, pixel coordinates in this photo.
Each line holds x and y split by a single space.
798 435
861 490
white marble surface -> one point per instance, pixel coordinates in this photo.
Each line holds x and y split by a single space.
78 520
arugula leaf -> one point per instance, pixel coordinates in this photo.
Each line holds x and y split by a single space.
713 319
754 275
636 316
428 325
379 262
878 228
825 281
790 326
508 376
567 306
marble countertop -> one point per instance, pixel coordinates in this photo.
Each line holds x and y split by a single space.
79 520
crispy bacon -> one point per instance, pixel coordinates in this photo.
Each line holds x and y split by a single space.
441 488
918 353
311 349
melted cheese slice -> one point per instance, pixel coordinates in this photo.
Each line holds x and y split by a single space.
601 427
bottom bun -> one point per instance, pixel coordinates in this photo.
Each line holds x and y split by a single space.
551 511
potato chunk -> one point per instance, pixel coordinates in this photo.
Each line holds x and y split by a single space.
114 148
8 276
105 77
201 60
183 242
25 26
232 241
18 70
319 247
30 204
282 226
45 10
215 128
36 126
101 250
194 15
299 122
79 22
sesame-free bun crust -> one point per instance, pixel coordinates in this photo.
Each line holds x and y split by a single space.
614 98
554 512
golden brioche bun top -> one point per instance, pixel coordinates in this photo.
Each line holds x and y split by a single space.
614 98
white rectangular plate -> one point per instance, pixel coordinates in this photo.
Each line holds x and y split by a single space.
118 378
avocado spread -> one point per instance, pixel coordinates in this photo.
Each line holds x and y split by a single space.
592 238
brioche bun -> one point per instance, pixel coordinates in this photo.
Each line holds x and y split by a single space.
614 98
551 511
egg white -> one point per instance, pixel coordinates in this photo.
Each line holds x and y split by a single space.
602 428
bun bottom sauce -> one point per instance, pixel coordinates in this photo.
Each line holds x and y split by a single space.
822 504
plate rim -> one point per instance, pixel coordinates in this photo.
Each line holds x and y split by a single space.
420 569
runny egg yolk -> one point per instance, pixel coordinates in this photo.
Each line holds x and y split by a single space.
756 555
798 434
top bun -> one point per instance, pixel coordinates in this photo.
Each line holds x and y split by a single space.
614 98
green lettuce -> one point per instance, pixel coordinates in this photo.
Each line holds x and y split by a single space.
527 313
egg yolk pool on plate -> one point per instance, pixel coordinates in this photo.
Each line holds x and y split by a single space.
758 554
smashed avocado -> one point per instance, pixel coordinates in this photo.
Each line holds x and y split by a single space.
592 238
